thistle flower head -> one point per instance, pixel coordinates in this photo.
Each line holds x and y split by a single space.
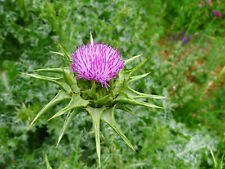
209 2
216 13
97 62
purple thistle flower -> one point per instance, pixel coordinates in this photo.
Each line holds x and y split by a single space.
216 13
97 62
209 2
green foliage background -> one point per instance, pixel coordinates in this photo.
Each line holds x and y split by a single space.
187 133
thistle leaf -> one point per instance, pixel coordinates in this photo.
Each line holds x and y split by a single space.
96 115
108 117
58 98
58 53
68 119
135 94
48 166
92 91
51 79
123 99
120 82
103 100
131 59
52 70
139 66
71 81
149 96
56 80
65 54
124 107
75 102
135 78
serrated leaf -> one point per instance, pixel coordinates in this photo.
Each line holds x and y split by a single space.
75 102
96 115
108 117
48 166
135 102
135 94
58 98
135 78
67 121
131 59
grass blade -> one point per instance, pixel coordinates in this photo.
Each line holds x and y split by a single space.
48 166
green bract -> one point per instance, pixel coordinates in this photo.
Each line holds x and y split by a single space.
98 101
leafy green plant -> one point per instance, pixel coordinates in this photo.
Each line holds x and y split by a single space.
186 75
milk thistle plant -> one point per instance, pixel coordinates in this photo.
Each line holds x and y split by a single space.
95 82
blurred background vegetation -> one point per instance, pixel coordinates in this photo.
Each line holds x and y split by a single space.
186 43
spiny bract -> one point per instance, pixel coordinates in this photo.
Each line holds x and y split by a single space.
98 101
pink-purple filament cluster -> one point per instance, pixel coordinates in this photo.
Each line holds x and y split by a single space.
97 62
216 13
209 2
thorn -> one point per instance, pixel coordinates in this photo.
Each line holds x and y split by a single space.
91 39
